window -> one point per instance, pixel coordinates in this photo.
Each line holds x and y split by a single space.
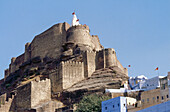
118 104
157 97
143 100
113 106
162 98
148 100
124 105
153 98
105 108
167 96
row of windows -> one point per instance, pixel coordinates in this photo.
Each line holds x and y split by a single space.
167 96
117 105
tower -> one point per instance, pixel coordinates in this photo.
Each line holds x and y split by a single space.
79 35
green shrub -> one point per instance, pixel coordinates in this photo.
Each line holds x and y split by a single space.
91 103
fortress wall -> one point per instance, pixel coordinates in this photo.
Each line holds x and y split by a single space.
96 42
106 58
100 57
125 70
89 63
12 65
49 43
6 105
3 99
33 93
73 72
40 92
57 79
23 97
27 55
6 73
16 62
50 106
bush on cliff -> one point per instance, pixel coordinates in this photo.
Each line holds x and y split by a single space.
91 103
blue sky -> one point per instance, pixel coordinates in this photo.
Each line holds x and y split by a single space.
139 30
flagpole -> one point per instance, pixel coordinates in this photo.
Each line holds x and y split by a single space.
158 73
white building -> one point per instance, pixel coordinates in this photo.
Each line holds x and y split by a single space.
137 82
118 104
141 82
152 83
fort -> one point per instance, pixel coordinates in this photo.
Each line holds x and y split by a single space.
55 61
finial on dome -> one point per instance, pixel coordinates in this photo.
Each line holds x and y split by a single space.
75 21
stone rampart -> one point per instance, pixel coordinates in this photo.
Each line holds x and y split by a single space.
96 42
49 43
33 93
5 106
27 52
23 96
46 44
89 63
100 59
15 63
107 58
72 73
66 74
40 92
56 80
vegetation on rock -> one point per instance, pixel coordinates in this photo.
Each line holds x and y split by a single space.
91 103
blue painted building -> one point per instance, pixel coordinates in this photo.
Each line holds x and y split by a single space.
117 104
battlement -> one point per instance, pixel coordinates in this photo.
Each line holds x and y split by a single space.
84 27
64 63
5 106
40 81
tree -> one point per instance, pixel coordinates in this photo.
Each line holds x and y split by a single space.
91 103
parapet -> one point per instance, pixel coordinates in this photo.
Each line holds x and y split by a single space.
40 81
65 63
85 27
13 59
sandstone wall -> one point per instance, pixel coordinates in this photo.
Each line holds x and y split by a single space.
50 106
96 42
23 97
6 105
89 63
33 94
40 92
6 74
27 55
56 80
100 59
66 74
49 43
106 58
3 99
16 62
72 73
